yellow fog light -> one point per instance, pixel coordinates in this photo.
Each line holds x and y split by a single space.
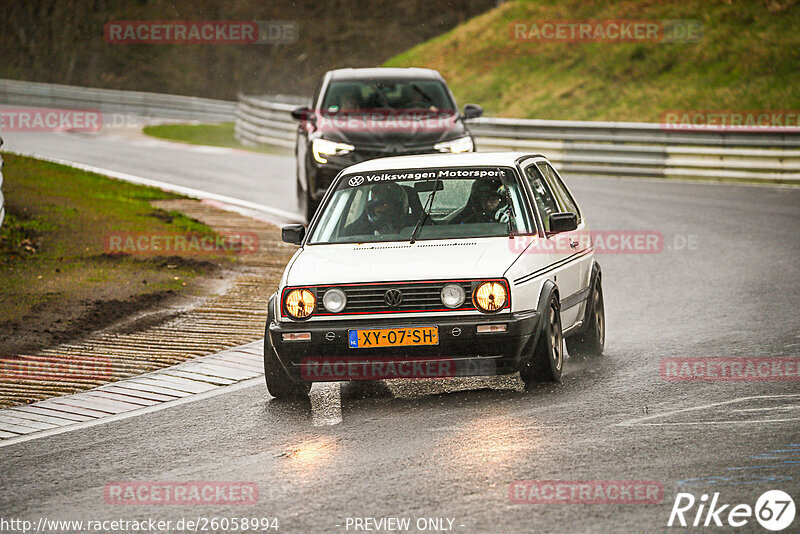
489 296
300 303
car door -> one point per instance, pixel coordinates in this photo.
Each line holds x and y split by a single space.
561 255
581 265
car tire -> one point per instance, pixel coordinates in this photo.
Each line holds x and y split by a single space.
279 384
591 339
547 361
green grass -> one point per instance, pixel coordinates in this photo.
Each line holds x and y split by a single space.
53 251
221 134
747 59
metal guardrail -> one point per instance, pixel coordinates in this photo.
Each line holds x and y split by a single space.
588 148
575 147
19 93
267 120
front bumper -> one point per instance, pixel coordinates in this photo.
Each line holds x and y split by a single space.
459 342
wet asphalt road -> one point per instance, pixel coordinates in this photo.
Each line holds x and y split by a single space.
725 285
242 174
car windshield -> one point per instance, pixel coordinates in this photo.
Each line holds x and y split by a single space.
380 206
372 95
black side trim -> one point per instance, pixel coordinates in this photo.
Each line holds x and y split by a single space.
575 299
548 288
544 297
556 265
596 274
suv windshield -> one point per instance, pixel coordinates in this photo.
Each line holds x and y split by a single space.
371 95
387 205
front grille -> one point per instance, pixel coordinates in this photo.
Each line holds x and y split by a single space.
416 297
382 152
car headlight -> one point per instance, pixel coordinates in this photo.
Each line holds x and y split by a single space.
324 147
463 144
300 303
490 297
453 295
334 300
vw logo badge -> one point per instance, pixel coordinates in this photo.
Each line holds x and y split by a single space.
355 181
393 298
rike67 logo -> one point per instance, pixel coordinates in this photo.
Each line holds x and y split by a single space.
774 510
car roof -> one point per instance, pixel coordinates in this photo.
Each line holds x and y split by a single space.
425 161
384 73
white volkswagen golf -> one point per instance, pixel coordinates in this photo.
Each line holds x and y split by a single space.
436 266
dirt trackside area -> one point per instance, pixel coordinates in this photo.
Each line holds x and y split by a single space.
64 268
101 280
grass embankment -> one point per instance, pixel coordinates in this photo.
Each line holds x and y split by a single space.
747 59
57 279
221 134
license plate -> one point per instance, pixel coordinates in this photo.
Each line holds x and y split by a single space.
394 337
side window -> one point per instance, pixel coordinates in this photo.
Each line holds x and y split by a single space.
565 200
541 193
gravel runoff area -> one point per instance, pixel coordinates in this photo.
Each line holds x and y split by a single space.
234 315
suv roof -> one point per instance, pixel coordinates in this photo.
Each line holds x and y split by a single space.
387 73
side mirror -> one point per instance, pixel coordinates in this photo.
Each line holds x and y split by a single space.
472 111
293 233
564 221
304 114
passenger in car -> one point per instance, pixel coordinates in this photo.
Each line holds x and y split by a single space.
483 205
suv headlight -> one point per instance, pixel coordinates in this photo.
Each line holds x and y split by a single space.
490 297
300 303
324 147
463 144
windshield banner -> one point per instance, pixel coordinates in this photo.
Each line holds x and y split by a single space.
357 180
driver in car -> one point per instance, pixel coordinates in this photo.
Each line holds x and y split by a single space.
350 100
385 212
485 203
